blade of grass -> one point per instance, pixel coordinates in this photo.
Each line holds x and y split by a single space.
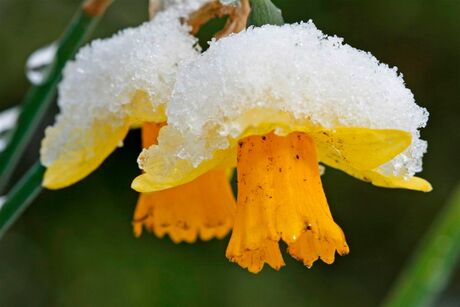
431 266
39 97
20 197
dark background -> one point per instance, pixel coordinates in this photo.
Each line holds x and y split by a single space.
75 247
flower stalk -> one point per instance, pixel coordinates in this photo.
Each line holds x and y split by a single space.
20 197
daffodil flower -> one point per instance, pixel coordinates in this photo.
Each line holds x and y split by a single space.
274 101
125 82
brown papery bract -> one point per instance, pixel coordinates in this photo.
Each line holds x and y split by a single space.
96 7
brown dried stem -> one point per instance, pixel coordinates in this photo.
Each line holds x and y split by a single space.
237 17
154 7
96 7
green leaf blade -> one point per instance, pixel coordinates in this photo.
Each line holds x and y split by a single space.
433 262
264 12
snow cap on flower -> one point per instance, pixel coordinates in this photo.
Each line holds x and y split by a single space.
112 85
285 78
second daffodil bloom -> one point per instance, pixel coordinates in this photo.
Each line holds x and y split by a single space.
125 82
274 101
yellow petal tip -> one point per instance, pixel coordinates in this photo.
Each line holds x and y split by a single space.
54 180
420 184
144 184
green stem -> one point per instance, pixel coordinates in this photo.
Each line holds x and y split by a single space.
39 97
264 12
20 197
432 264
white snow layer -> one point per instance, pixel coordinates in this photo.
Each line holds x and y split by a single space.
101 82
294 69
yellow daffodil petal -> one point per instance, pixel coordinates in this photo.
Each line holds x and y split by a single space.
380 180
182 172
81 151
80 157
112 84
359 148
353 150
140 110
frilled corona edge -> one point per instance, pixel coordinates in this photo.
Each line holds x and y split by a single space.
112 85
289 78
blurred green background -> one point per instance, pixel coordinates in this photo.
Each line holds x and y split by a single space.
75 247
